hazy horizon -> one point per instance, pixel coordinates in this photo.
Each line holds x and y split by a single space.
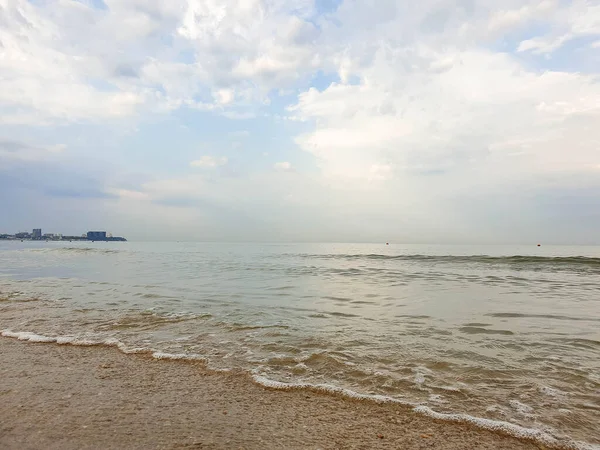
388 244
302 121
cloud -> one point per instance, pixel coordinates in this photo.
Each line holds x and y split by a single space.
78 192
475 114
45 74
544 45
508 19
239 134
227 58
16 150
380 172
578 20
283 166
52 178
224 96
418 121
59 61
127 194
209 161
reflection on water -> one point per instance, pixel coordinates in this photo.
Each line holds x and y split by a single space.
510 334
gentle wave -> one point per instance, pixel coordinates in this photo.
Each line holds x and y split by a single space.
76 250
70 340
533 434
510 315
481 330
111 342
542 437
150 320
508 428
515 259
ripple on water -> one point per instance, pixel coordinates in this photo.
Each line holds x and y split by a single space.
456 350
342 314
481 330
510 315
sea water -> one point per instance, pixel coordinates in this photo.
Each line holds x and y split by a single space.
505 337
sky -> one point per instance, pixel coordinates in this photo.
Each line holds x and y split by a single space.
438 121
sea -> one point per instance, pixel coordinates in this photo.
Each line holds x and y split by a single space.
503 337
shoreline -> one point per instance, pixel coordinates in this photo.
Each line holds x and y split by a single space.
86 397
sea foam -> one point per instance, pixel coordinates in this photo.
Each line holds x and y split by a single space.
179 356
27 336
494 425
507 428
540 436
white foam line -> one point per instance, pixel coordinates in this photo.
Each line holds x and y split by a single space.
69 340
110 342
61 340
280 385
507 428
488 424
27 336
178 356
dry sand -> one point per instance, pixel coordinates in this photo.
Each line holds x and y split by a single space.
64 397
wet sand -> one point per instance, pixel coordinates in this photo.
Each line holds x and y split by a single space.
66 397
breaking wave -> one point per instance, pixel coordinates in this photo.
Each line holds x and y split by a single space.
543 437
480 259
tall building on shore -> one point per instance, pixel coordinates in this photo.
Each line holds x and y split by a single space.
96 235
37 233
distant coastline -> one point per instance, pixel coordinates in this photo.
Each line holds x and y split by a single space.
36 235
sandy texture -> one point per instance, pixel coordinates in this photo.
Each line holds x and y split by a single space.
65 397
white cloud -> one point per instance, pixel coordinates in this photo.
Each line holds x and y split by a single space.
44 73
380 172
426 106
57 148
239 134
545 44
283 166
14 150
128 194
578 19
224 96
59 62
209 161
422 122
510 18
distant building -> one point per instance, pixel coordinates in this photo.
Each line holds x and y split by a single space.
37 233
96 235
74 238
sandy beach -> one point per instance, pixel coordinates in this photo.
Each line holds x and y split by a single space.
66 397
